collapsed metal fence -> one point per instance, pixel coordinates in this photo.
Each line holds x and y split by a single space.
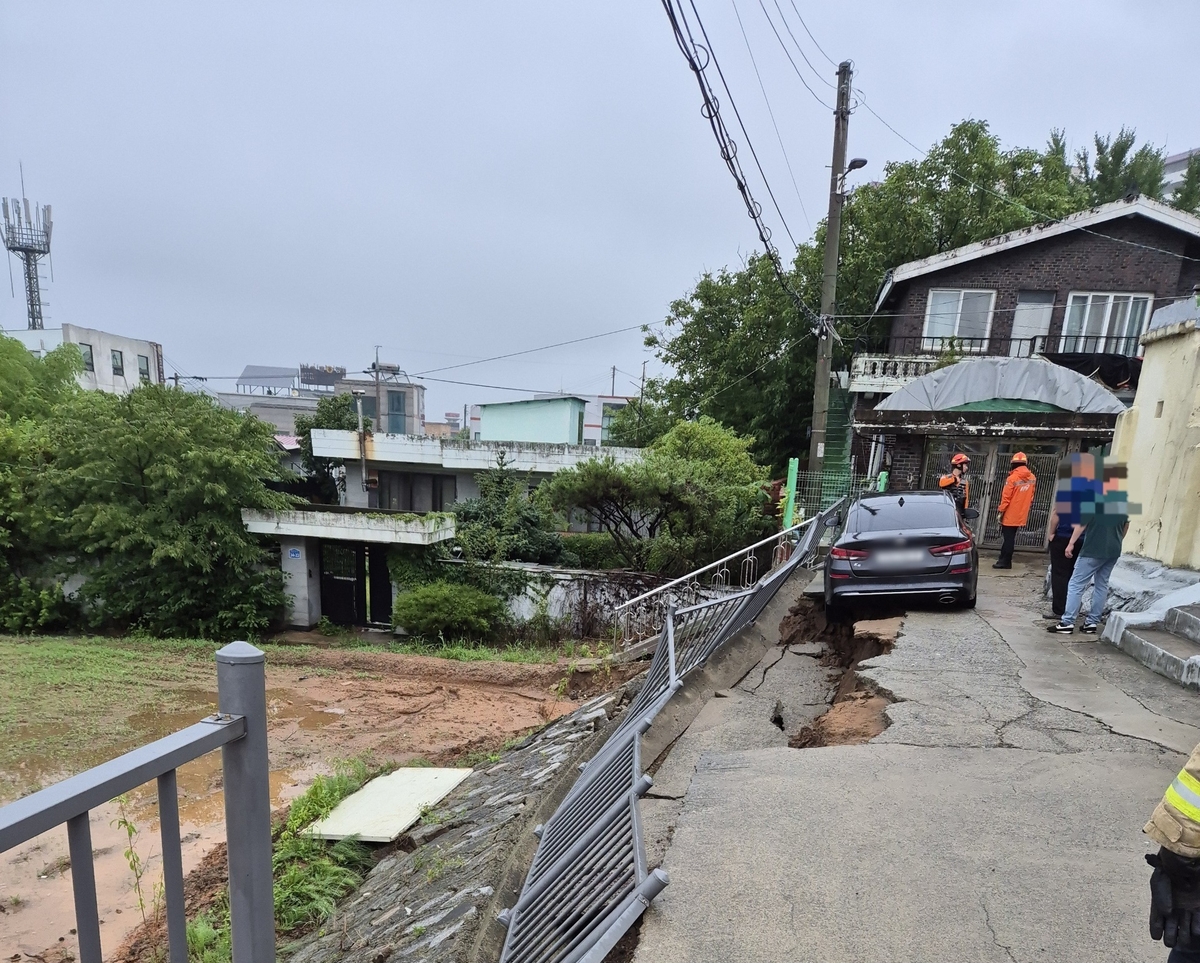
588 882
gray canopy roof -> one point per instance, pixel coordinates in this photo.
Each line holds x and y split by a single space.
982 379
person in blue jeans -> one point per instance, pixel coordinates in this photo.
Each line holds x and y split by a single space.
1101 538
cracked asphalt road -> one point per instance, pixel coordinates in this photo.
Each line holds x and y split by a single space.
997 818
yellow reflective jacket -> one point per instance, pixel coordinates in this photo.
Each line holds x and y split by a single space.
1175 822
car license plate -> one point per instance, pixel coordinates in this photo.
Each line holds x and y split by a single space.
900 556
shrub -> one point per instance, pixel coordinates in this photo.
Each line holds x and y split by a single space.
449 611
592 550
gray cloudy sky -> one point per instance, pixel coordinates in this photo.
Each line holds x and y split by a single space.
276 183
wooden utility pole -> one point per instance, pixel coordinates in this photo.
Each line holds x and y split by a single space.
833 230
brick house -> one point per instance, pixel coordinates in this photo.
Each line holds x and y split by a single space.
1078 292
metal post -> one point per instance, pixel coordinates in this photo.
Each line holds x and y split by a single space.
241 690
168 822
83 881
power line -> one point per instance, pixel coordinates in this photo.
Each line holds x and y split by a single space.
799 49
787 54
736 113
810 34
711 111
1046 218
545 347
779 137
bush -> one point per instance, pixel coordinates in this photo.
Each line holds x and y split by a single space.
442 609
592 550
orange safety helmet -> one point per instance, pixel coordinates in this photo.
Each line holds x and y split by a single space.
1020 459
961 459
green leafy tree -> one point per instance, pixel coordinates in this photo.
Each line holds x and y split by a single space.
1187 198
640 423
145 492
696 495
507 522
1118 169
337 412
31 596
741 352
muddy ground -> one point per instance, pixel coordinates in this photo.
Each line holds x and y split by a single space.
323 704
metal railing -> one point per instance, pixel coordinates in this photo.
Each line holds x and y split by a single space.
588 882
644 616
239 730
908 345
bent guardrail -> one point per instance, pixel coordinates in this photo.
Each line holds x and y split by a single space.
588 881
239 730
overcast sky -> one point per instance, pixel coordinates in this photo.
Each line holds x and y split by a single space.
260 183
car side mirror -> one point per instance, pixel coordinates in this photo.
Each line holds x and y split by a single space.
970 514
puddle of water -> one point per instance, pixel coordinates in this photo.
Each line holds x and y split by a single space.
35 879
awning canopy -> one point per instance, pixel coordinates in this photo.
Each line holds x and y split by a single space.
1018 379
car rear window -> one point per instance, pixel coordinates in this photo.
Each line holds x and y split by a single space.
890 516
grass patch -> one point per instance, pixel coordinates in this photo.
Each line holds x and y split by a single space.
311 875
467 651
71 702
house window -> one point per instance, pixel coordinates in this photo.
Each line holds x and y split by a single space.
144 369
1101 323
579 430
962 315
396 413
118 364
89 363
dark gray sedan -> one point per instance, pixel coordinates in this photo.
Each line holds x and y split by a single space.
902 543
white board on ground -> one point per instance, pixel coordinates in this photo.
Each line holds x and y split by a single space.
388 805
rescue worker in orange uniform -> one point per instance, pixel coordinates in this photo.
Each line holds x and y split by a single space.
955 484
1175 882
1015 503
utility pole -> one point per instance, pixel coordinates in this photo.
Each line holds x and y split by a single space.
641 401
613 390
378 408
833 230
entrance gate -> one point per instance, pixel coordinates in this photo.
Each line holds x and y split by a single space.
990 462
356 587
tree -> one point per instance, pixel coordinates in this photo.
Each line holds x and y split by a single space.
506 522
144 492
696 495
743 353
640 423
340 413
30 385
1119 170
1187 198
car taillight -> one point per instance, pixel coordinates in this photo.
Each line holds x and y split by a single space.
836 552
957 548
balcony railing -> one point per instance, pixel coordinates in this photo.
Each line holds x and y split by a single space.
947 347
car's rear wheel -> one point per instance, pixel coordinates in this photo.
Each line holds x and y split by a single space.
969 603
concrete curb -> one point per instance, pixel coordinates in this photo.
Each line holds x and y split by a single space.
1186 672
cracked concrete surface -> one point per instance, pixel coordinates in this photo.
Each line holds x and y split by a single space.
997 818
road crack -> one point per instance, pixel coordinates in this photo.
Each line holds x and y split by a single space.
987 919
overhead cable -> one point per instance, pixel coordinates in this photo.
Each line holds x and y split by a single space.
771 113
787 53
698 57
544 347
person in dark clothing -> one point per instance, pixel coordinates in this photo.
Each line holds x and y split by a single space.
1058 537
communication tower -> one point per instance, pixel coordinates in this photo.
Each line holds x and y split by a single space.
27 235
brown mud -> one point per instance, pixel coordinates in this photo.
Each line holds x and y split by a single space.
856 714
324 705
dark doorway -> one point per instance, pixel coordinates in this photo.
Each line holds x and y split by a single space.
380 584
344 582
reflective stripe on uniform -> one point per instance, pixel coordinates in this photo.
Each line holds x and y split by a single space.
1184 795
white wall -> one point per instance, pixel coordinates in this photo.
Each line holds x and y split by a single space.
102 344
302 580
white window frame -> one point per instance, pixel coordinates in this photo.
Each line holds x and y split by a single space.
1064 338
927 338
